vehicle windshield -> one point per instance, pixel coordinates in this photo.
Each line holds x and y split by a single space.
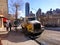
30 19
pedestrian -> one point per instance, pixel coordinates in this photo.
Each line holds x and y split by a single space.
8 25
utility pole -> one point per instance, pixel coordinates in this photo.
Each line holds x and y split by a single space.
16 15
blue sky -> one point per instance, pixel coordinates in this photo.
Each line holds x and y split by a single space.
45 5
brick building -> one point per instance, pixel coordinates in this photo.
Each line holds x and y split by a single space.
53 20
4 8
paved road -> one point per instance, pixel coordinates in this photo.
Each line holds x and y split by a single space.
53 28
17 38
49 37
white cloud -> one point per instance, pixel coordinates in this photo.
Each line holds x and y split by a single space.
20 14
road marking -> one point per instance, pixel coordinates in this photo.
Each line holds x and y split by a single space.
38 42
35 40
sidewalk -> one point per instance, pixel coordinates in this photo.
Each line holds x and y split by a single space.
3 31
17 38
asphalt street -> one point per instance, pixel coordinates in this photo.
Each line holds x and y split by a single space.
50 36
17 38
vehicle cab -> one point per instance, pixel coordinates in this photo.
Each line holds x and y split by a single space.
31 25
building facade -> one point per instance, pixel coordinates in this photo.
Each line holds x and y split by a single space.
27 9
31 14
4 8
52 20
38 13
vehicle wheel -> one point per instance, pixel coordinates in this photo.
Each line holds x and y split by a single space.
37 34
32 37
24 30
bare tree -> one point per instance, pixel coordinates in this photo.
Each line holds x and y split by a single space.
15 5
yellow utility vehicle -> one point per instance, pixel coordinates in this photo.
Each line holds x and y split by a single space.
31 26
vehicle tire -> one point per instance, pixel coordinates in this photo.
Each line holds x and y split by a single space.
27 33
37 34
24 30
